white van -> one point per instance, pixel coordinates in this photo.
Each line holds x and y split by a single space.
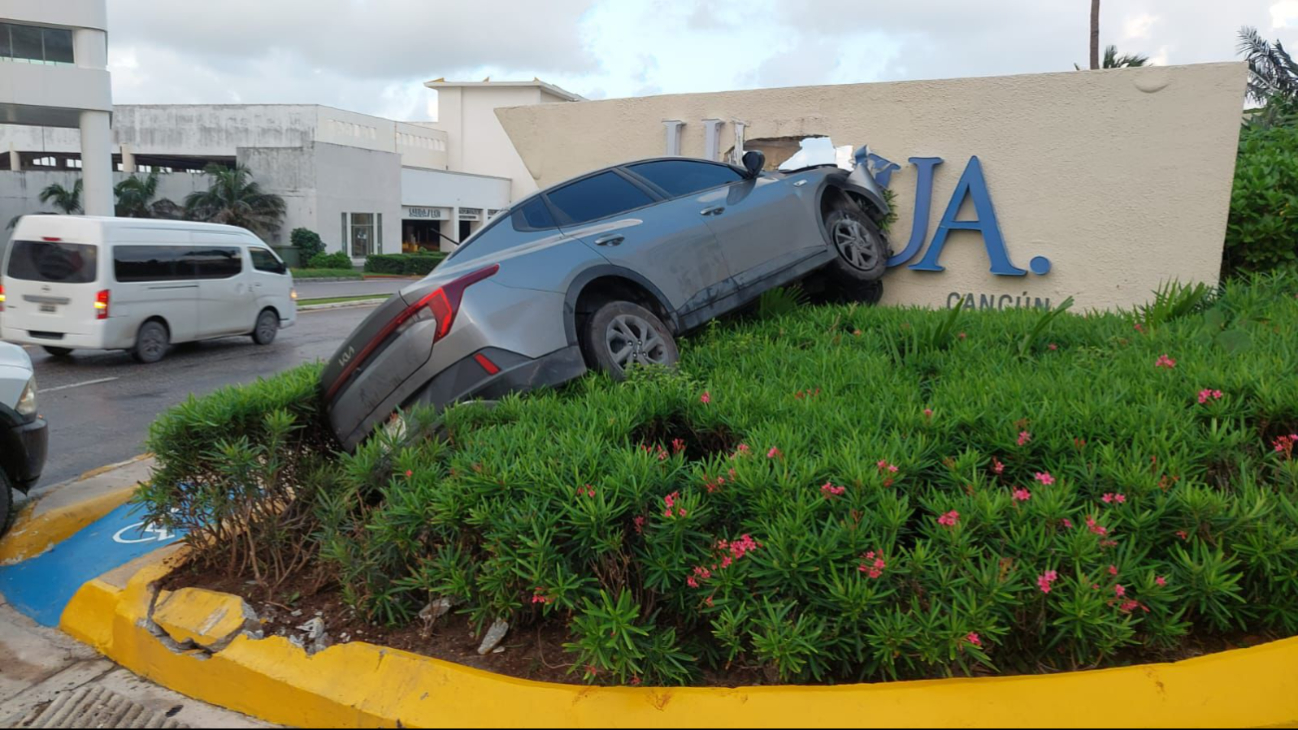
80 282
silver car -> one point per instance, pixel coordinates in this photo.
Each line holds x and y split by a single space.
604 271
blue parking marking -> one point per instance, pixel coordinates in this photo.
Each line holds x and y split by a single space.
42 586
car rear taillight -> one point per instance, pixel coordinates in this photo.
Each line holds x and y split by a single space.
2 297
442 305
101 305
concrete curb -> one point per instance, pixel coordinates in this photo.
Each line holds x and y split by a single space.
362 685
343 305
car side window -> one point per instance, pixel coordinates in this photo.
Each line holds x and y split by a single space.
263 260
214 262
533 216
600 196
682 177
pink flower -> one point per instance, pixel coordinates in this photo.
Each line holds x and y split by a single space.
706 398
743 449
1164 361
830 491
1160 581
1044 477
635 681
1053 346
1024 437
950 519
691 582
708 601
409 473
872 565
997 466
1113 570
1130 605
638 522
538 596
1045 579
1120 498
1119 591
1139 328
974 639
1206 395
773 453
1095 527
670 502
928 412
1182 534
677 446
1067 523
1022 495
962 335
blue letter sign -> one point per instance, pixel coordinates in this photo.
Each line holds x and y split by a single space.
974 185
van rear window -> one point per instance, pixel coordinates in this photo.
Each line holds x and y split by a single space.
55 262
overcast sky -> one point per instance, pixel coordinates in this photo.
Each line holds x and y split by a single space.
374 55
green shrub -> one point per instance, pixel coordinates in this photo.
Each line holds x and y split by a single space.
307 242
1262 232
847 493
405 264
335 260
234 470
326 274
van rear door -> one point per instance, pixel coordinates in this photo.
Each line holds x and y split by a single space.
51 286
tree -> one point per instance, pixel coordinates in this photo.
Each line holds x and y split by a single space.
1113 60
67 201
235 199
1095 34
135 199
1272 78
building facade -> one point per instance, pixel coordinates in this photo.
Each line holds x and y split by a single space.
366 184
54 74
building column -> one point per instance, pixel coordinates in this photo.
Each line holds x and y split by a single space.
712 139
97 163
15 159
454 233
128 160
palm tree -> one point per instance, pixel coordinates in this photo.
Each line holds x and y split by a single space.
68 201
1273 75
1095 34
235 199
1113 60
135 199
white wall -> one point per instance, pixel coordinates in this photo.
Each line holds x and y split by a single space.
478 144
438 188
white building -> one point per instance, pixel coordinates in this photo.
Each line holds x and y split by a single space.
365 184
54 73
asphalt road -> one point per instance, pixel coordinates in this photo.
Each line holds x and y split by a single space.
99 404
307 289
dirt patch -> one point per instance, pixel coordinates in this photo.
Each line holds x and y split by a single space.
673 434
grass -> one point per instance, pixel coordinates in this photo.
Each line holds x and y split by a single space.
831 494
340 300
300 274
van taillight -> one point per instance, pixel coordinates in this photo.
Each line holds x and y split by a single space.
101 305
2 297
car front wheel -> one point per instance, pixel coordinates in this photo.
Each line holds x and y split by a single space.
862 250
267 328
620 335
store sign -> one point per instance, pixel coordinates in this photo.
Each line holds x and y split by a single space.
972 185
470 214
418 213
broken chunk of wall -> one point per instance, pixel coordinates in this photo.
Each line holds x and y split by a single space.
1120 179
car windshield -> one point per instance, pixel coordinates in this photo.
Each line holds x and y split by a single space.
54 262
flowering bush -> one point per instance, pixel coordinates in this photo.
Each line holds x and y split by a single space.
950 501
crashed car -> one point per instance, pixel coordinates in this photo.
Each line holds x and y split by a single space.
605 271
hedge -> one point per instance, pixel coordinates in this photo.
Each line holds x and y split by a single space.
407 264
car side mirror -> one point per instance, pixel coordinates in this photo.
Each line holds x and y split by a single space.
754 162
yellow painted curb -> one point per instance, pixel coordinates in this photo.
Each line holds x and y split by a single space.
203 617
31 536
361 685
91 474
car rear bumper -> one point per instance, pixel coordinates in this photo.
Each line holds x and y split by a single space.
24 447
106 337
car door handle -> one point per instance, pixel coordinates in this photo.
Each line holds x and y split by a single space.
612 239
718 210
799 183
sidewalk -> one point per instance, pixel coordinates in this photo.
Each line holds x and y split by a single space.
49 680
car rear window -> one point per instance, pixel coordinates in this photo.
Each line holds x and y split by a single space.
54 262
598 197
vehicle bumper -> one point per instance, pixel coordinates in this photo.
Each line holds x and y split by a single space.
107 338
25 447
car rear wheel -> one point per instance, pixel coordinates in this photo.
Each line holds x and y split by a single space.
151 343
267 328
58 351
861 247
620 335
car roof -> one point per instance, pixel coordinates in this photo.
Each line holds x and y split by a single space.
78 224
628 163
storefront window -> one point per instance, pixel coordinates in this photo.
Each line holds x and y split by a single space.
362 234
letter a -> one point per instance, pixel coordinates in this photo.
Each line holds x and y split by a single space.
974 185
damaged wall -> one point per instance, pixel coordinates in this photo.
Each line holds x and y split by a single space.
1118 179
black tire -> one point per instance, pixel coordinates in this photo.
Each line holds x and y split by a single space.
621 334
7 510
861 248
57 351
267 327
151 342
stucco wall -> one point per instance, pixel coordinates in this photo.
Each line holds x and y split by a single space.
478 144
441 188
1121 178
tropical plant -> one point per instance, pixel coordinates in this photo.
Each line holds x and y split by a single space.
68 201
1262 230
1113 60
1273 78
307 242
235 199
135 199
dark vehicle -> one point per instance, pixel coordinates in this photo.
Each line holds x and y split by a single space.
22 430
605 271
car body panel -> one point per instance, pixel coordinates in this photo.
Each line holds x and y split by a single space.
517 328
23 438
